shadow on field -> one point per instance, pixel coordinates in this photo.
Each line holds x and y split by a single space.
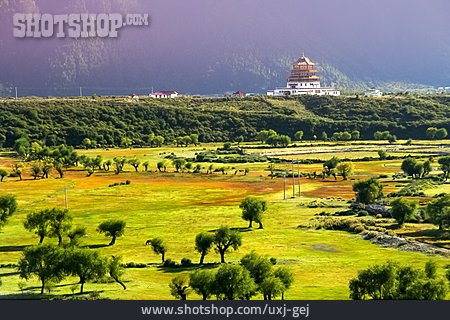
95 246
9 274
177 269
12 248
237 229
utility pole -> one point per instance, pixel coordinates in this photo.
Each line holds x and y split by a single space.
65 198
284 178
293 180
298 172
15 88
81 91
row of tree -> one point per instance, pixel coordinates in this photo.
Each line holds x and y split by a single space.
52 264
391 281
255 274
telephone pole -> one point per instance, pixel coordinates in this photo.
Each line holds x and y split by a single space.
81 91
293 180
15 89
298 172
284 178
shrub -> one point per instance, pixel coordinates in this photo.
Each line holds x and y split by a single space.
363 213
169 263
186 262
273 261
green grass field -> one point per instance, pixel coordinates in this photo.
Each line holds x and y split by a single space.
177 206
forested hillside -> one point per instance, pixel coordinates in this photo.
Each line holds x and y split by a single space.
108 120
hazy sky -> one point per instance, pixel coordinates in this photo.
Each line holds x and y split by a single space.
206 46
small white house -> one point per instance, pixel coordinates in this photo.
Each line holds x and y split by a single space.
164 95
374 93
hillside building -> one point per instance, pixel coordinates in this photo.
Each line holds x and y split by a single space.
303 80
164 95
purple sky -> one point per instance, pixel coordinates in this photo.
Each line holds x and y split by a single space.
207 46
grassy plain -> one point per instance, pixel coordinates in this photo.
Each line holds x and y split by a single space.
177 206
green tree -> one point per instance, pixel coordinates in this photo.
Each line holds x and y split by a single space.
8 205
45 262
252 210
226 239
299 135
135 163
356 135
286 277
439 211
403 209
368 191
431 133
331 164
179 287
162 165
345 169
146 164
394 282
86 264
324 136
441 134
194 139
36 169
203 244
202 282
112 228
178 163
382 154
116 270
39 222
271 287
409 166
76 234
126 142
159 247
3 173
445 166
264 135
86 143
234 282
119 163
59 224
259 267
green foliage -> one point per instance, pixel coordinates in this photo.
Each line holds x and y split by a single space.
345 169
259 267
159 247
115 122
46 262
368 191
286 277
226 239
86 264
271 287
299 135
179 287
403 210
49 222
445 166
252 210
439 211
8 205
116 270
203 283
394 282
203 244
76 234
3 173
112 228
234 282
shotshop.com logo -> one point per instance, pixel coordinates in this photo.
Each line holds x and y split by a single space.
84 25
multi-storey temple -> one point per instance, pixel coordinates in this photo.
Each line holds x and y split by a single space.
303 80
